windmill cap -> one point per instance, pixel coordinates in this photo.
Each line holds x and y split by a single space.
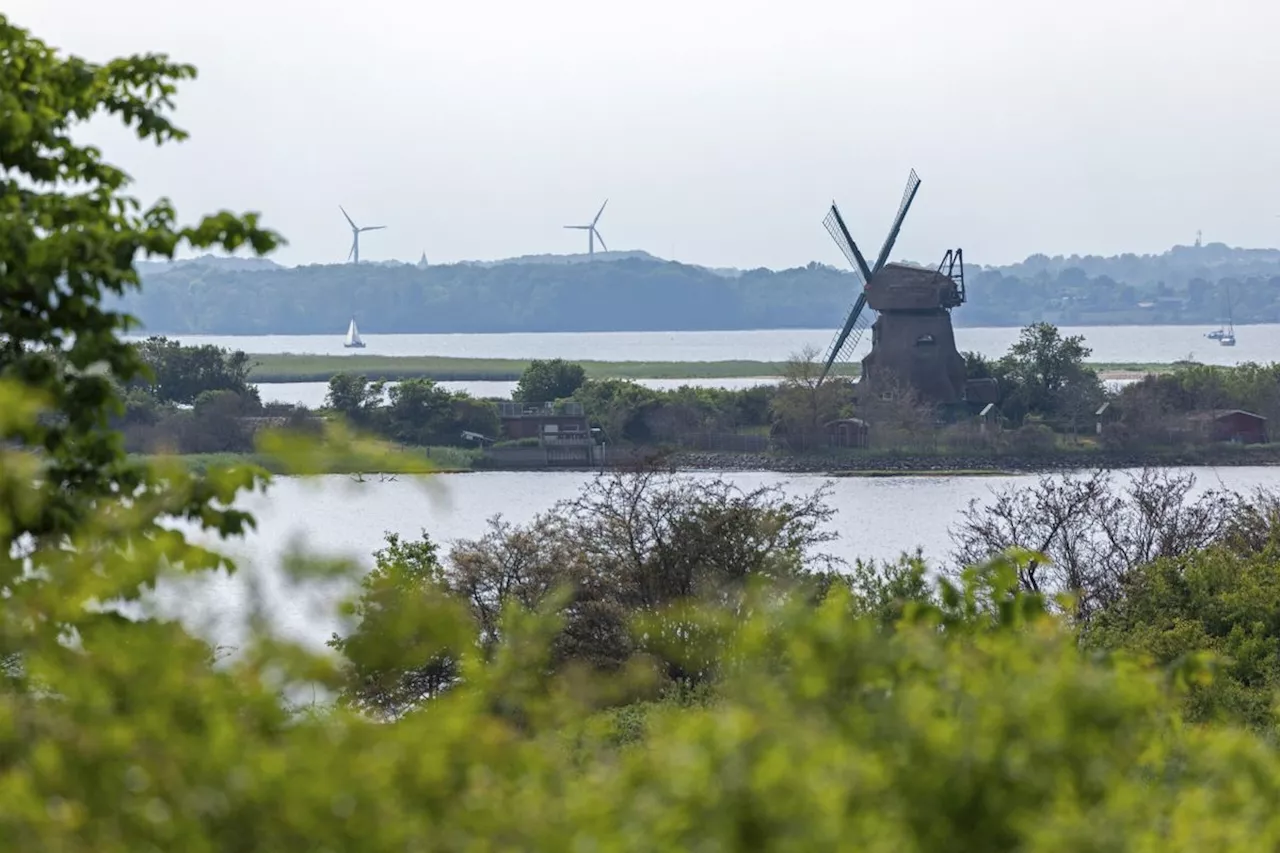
901 287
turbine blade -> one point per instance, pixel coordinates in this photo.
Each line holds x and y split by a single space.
598 237
597 219
835 226
579 227
351 253
908 194
373 228
344 213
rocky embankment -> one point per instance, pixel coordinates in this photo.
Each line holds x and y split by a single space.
975 464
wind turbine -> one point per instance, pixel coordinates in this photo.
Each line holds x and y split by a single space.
355 235
592 233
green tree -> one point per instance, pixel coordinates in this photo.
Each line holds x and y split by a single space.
1045 372
805 402
180 374
71 235
421 412
472 415
1217 601
394 654
355 397
545 381
618 406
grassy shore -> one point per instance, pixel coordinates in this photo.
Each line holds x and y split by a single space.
288 367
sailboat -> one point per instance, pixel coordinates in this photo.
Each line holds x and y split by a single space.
1228 338
353 337
1216 335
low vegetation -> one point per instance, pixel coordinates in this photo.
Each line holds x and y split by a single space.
290 367
320 368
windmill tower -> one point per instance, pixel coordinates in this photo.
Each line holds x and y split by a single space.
912 341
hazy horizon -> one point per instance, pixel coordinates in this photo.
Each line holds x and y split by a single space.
720 132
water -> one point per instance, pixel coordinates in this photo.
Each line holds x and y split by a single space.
312 394
337 517
1260 343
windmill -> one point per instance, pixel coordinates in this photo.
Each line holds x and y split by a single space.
910 314
592 233
356 231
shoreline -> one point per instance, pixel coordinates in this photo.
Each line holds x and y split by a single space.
288 368
974 465
845 466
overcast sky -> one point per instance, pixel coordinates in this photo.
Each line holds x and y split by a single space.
720 130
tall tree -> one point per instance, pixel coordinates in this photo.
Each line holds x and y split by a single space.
70 236
1040 365
805 401
549 380
180 374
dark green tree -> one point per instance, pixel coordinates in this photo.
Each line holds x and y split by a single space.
396 655
1214 600
550 380
1044 372
355 397
420 412
180 374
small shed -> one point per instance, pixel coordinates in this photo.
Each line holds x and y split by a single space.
981 391
1234 425
1106 414
847 432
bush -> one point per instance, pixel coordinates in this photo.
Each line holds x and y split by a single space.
1033 439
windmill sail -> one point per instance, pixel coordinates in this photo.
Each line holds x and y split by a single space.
835 226
846 340
908 195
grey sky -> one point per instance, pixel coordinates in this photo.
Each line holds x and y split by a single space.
719 129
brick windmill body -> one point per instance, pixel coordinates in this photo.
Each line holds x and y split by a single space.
912 342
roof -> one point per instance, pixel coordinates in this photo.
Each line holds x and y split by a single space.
909 288
1219 415
564 408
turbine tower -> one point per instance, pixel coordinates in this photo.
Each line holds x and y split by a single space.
592 232
356 230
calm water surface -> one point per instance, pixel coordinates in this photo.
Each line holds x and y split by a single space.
337 517
1259 343
312 394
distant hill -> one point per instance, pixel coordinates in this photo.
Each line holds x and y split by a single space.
567 259
209 262
635 291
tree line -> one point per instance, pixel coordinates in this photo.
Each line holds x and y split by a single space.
1184 285
660 665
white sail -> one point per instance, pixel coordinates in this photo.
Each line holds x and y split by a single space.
353 335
